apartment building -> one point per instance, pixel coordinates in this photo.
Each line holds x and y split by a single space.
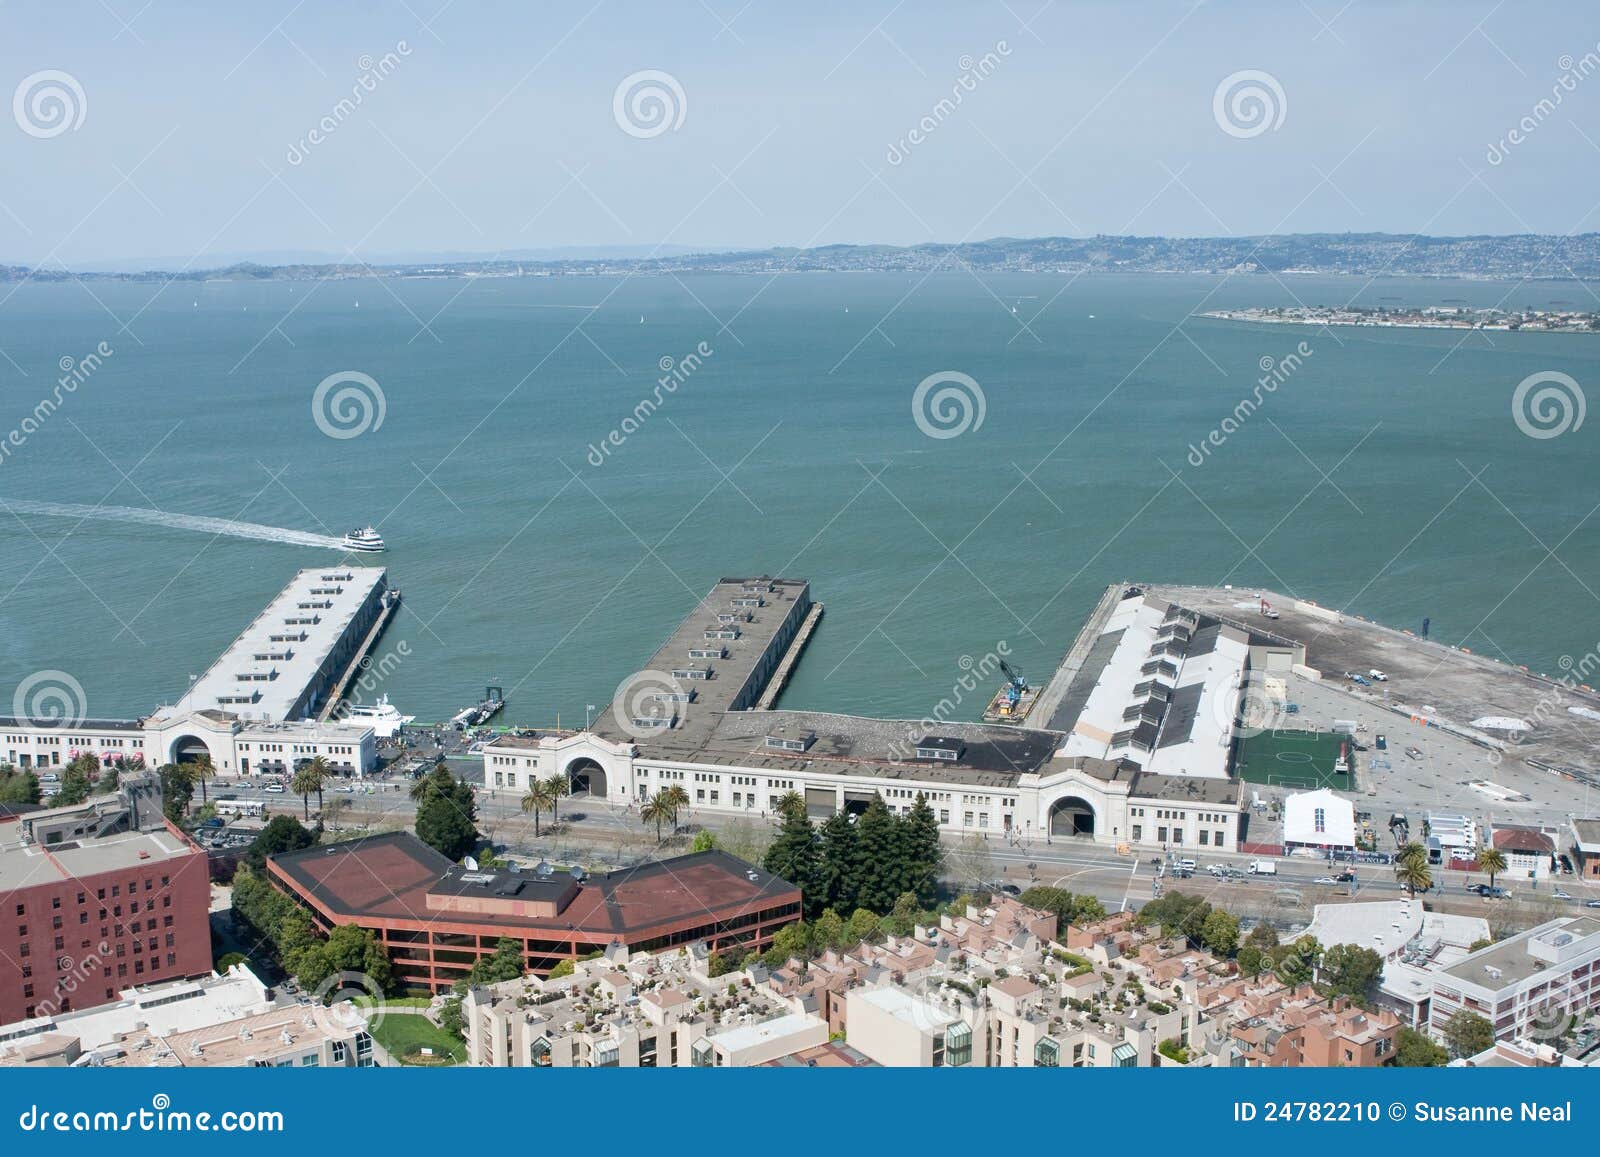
1529 985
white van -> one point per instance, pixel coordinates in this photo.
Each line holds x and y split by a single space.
1187 865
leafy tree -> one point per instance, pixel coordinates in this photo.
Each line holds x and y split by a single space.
1252 961
76 781
1493 861
18 786
563 968
504 963
903 918
282 834
1220 932
828 930
447 814
703 842
450 1018
1263 937
1414 1050
1296 963
176 791
863 925
793 855
1068 907
310 777
348 948
836 878
1467 1034
792 940
1349 970
1178 913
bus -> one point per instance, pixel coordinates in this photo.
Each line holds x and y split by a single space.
241 807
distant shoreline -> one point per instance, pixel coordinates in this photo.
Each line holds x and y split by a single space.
1433 317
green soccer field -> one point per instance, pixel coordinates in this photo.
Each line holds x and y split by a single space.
1294 759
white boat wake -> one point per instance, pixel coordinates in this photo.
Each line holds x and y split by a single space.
221 526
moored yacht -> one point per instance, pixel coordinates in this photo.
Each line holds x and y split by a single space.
366 539
384 718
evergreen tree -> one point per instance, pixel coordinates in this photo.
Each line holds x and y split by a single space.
878 864
447 814
924 855
793 855
837 881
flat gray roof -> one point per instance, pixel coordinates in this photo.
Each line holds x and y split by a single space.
698 720
304 622
1511 959
25 866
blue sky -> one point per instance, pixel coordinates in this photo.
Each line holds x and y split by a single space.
495 129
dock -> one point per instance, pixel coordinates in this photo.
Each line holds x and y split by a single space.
780 676
1055 692
391 601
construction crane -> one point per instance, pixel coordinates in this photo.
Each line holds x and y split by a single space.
1016 684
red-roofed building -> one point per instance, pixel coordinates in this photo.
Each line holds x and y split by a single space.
436 918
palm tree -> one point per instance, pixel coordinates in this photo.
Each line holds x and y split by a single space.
556 786
1413 851
201 770
1493 861
1414 875
790 802
307 779
538 798
324 773
674 798
656 810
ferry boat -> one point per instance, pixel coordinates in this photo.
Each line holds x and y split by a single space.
383 717
366 539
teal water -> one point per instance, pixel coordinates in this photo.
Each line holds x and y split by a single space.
560 588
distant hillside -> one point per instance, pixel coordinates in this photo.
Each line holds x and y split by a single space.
1364 254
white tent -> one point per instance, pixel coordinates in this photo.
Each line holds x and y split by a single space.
1319 819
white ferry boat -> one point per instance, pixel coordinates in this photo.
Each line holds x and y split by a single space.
382 716
366 539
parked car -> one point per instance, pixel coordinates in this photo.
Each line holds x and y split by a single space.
1591 903
1560 895
1345 878
1008 889
48 777
1324 880
1413 753
1377 676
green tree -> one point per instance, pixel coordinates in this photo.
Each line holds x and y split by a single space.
536 800
703 842
656 810
348 949
828 930
1220 932
1493 861
556 786
1252 961
282 834
1068 907
176 791
836 880
201 770
76 781
308 778
447 815
18 786
1467 1034
504 963
1414 875
1296 963
1178 914
1349 970
863 925
677 801
879 869
1415 1050
793 855
902 919
924 854
792 940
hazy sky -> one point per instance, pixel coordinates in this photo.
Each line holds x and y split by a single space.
495 128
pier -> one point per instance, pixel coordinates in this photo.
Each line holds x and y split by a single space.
390 601
797 645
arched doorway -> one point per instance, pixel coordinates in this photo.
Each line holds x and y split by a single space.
586 777
189 749
1072 816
